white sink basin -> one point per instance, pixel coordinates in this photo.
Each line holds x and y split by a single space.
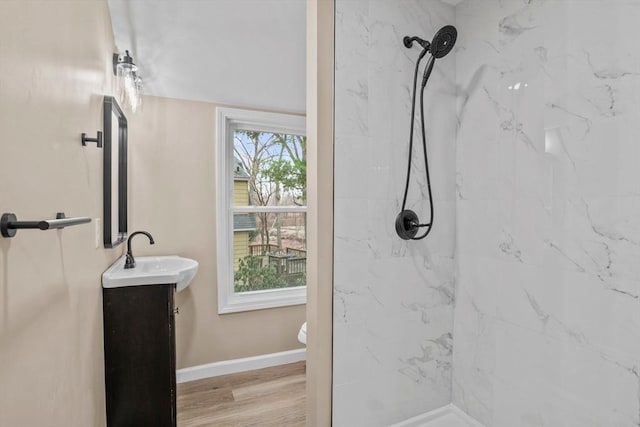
151 270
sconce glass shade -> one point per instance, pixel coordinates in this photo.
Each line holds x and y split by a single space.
137 105
128 82
126 62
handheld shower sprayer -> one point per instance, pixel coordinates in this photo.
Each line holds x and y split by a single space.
407 222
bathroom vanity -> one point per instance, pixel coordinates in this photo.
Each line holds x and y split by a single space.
139 353
139 339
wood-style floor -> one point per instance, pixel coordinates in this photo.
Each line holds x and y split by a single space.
270 397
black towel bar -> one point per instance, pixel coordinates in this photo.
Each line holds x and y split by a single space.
9 223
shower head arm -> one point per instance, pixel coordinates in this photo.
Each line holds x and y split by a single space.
408 42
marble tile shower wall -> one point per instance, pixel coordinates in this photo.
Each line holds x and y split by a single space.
547 313
393 300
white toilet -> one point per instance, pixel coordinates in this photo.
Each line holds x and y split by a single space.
302 335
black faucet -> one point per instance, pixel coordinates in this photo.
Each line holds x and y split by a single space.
130 262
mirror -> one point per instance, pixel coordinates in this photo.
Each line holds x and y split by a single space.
114 174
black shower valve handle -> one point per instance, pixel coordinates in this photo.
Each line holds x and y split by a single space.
407 224
415 224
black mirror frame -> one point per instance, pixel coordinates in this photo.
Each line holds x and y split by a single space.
111 107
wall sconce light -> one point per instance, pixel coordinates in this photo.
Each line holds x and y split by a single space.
128 81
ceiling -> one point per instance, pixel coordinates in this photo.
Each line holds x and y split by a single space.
247 53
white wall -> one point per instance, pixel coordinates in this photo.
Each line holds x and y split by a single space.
55 68
172 190
393 300
547 315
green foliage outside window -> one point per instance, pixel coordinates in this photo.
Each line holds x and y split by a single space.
253 276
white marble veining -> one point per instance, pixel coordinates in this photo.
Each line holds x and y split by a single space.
533 141
547 311
393 300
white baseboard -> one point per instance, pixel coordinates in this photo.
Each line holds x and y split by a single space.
449 416
239 365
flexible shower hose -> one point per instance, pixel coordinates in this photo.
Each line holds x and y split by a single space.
428 69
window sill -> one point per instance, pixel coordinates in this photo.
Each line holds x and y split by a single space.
260 300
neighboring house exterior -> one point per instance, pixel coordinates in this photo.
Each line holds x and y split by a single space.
243 224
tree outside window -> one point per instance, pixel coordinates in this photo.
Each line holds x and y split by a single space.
269 243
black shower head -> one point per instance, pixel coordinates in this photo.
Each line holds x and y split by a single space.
443 41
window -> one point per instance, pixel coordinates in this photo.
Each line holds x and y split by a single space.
261 210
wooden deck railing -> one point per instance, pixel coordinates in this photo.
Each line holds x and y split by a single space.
297 265
259 249
287 261
301 253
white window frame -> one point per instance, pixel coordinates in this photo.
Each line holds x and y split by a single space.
227 121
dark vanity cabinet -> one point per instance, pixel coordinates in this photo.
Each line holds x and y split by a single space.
139 353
